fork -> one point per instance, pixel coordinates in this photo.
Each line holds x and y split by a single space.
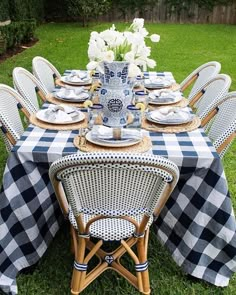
80 136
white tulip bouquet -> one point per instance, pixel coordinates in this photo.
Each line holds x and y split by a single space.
112 45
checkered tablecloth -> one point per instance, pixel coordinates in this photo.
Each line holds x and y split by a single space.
197 225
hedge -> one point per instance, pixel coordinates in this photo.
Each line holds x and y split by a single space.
17 33
26 9
4 10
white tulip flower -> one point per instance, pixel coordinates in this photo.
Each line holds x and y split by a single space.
155 38
108 56
94 35
129 56
151 63
93 50
143 32
134 71
113 28
92 65
137 24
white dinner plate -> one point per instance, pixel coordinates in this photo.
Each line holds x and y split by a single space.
159 102
163 122
72 99
111 142
75 119
66 80
158 85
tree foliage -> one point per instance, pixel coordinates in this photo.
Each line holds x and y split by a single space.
87 9
178 5
4 10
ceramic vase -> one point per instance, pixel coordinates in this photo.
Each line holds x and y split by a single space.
115 93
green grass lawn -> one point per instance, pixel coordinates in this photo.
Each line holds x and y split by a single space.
182 48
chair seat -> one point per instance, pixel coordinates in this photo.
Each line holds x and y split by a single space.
110 229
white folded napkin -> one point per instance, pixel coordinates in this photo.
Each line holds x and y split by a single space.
157 81
75 79
72 93
165 95
79 74
103 132
170 115
58 113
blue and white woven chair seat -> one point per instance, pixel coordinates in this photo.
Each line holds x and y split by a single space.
110 229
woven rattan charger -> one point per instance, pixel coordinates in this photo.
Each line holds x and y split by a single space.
173 87
54 100
143 146
182 104
44 125
186 127
62 84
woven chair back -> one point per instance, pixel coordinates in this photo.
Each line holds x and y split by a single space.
114 184
9 115
45 72
213 90
27 85
223 125
204 73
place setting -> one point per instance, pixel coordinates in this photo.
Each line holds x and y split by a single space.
156 82
59 117
72 96
103 138
171 119
161 83
77 78
160 97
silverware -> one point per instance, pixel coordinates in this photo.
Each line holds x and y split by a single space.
83 140
80 136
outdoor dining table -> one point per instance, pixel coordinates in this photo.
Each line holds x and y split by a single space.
197 225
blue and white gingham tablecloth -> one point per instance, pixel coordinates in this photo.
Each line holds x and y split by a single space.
197 225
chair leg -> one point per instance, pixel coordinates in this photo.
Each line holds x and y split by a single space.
142 255
76 283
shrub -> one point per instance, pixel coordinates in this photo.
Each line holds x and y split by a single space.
26 9
4 10
18 32
87 9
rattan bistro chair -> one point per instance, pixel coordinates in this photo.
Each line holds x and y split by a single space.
11 126
29 86
45 72
221 121
199 77
210 94
113 197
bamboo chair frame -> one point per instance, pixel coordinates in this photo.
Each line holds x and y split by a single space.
110 260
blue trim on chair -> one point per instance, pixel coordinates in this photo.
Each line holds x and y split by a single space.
80 266
138 235
141 266
4 130
19 106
